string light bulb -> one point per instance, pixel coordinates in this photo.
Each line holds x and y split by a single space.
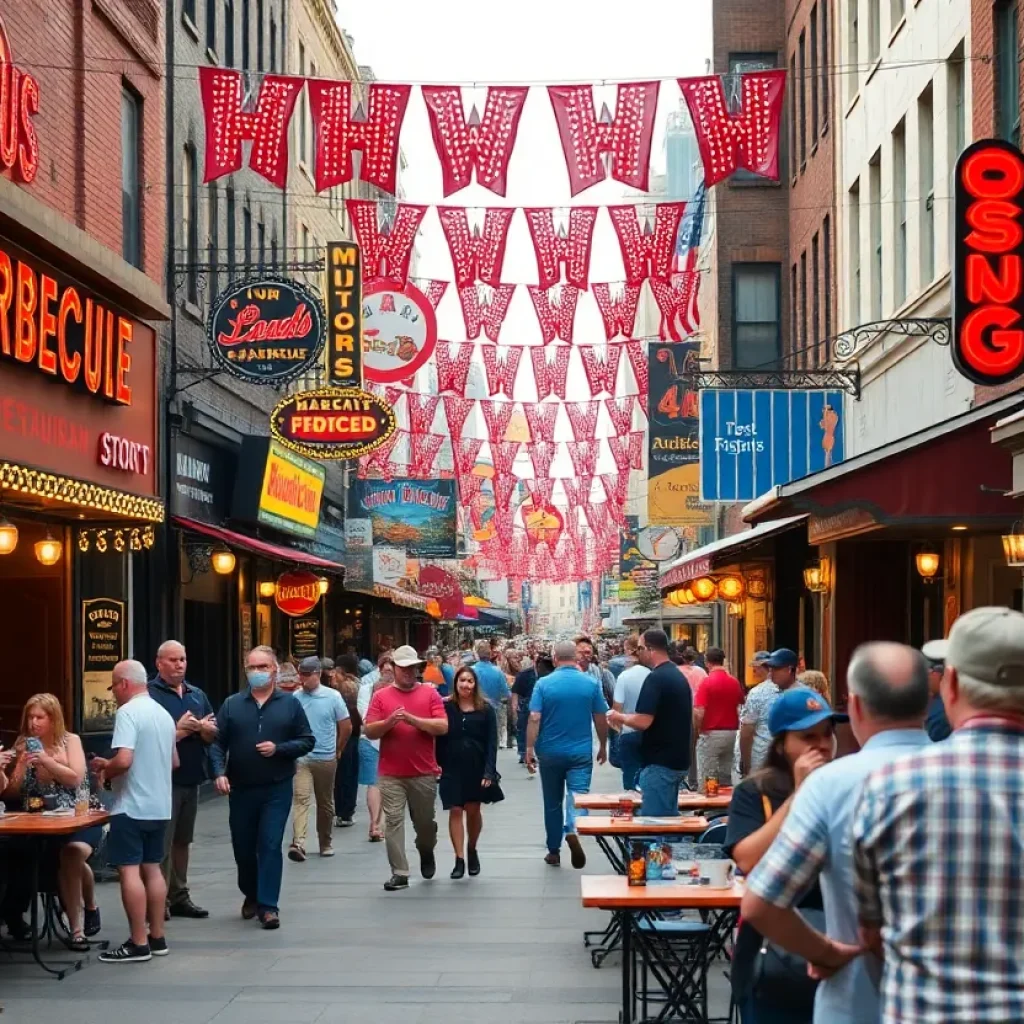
48 550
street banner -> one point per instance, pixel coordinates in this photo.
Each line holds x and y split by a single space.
635 571
416 515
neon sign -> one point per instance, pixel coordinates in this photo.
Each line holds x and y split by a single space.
19 103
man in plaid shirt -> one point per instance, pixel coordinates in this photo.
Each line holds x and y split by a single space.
938 843
888 686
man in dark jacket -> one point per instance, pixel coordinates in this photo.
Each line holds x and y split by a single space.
261 733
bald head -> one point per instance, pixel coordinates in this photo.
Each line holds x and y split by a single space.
890 684
127 680
171 662
564 653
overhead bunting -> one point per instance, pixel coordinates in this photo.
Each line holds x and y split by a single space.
677 304
485 308
647 251
541 420
583 419
550 370
556 311
501 366
567 245
618 309
478 252
385 253
456 411
542 454
621 412
497 416
601 373
422 409
424 449
453 371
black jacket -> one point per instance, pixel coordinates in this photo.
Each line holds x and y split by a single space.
242 723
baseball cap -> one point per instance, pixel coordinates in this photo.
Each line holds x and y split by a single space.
760 657
800 708
987 645
406 656
935 651
782 658
309 666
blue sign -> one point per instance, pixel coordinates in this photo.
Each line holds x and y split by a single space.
752 440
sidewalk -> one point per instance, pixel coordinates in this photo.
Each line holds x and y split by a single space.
503 948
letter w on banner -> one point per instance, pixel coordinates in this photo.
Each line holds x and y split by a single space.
478 252
583 418
618 309
485 307
647 252
421 411
424 449
541 418
452 374
562 245
501 372
385 254
748 138
550 374
556 310
601 373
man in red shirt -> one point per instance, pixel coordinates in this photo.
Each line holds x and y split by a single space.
406 717
716 719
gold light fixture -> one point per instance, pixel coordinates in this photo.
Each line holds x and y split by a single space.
959 528
735 609
1013 548
704 589
757 587
688 596
268 588
323 585
48 550
927 562
8 536
223 561
816 577
730 588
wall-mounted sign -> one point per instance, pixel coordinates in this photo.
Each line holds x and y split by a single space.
659 543
297 593
839 525
444 587
344 315
267 331
305 637
278 488
399 331
333 423
358 553
750 441
389 564
20 152
104 644
202 482
124 454
416 515
635 572
988 263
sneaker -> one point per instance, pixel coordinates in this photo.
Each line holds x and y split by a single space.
271 920
474 862
554 858
579 857
396 882
428 866
126 953
343 822
92 922
327 851
158 947
296 853
248 910
186 908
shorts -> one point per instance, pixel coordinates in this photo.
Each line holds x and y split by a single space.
133 842
369 758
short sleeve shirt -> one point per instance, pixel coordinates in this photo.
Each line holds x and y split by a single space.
493 684
405 751
567 700
627 689
755 712
720 695
147 730
666 696
324 708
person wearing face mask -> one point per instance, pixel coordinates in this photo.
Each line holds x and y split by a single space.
261 733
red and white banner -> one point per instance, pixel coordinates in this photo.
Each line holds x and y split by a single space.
501 366
541 419
550 370
453 371
478 252
601 372
556 310
497 416
385 254
542 454
423 451
583 418
565 246
421 411
618 309
485 307
647 252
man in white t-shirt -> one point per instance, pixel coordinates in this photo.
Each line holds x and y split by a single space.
627 689
140 775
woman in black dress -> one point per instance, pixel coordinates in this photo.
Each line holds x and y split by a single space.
469 774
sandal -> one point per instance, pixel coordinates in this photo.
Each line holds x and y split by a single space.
78 943
376 836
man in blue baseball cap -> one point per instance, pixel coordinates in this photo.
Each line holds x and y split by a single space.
755 734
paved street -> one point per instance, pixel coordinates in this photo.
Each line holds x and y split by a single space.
505 947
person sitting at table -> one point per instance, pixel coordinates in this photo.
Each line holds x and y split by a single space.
58 771
802 727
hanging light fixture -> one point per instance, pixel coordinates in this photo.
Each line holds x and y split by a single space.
268 588
48 550
223 560
704 589
927 562
735 609
816 577
730 588
323 585
1013 547
688 596
8 536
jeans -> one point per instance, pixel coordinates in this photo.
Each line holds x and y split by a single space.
629 758
346 780
560 777
660 789
522 721
753 1011
257 816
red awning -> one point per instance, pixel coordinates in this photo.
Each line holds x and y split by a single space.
257 547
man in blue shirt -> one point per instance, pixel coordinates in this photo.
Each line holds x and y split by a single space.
562 707
936 724
493 685
888 685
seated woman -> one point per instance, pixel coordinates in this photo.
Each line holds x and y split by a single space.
59 771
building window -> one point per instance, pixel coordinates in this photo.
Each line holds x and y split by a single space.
852 47
814 73
230 216
741 63
190 222
131 192
229 33
273 250
273 44
1007 71
854 240
897 11
802 46
826 252
756 322
247 234
804 343
211 25
259 35
261 241
816 338
794 326
188 9
874 30
309 117
825 65
875 223
794 115
955 104
899 211
926 183
213 238
245 35
303 117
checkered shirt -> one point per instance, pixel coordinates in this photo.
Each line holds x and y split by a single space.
938 845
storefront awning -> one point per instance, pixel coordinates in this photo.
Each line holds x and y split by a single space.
701 561
257 547
402 598
948 474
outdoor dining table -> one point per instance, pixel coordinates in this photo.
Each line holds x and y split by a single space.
633 906
39 828
688 801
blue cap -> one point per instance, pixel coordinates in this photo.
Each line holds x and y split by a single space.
782 658
800 708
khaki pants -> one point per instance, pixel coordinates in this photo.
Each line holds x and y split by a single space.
419 793
313 780
714 756
179 833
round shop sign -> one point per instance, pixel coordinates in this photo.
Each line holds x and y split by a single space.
333 423
297 593
267 331
399 330
659 543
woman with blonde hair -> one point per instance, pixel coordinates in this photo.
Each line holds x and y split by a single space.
815 680
51 764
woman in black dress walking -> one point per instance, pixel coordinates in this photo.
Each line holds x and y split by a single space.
469 774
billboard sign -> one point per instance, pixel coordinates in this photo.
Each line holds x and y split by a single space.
416 515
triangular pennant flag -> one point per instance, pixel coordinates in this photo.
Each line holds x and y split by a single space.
541 420
456 411
621 412
497 415
550 372
421 411
501 371
583 417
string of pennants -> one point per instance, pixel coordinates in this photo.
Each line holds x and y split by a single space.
596 146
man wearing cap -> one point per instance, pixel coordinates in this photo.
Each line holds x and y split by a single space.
938 844
407 717
755 736
288 678
888 689
936 724
314 774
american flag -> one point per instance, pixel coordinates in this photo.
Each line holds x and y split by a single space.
680 316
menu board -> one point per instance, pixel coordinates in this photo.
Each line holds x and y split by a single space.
304 639
103 646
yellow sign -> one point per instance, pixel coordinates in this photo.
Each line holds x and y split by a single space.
291 492
673 498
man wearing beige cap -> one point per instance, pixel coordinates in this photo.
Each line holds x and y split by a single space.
407 717
938 842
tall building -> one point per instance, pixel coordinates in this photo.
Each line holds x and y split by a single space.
683 169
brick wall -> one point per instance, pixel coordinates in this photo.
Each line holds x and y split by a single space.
83 55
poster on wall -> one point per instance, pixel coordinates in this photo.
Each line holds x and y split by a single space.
416 515
103 646
388 565
304 637
673 444
358 553
245 629
635 572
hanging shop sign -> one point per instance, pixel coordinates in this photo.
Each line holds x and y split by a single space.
673 445
104 644
416 515
19 155
358 553
267 331
344 315
444 587
659 543
544 523
635 572
988 263
753 440
297 593
278 488
399 330
202 479
305 637
333 423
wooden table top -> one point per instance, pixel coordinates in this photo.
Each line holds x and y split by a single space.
687 800
613 892
600 824
21 823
